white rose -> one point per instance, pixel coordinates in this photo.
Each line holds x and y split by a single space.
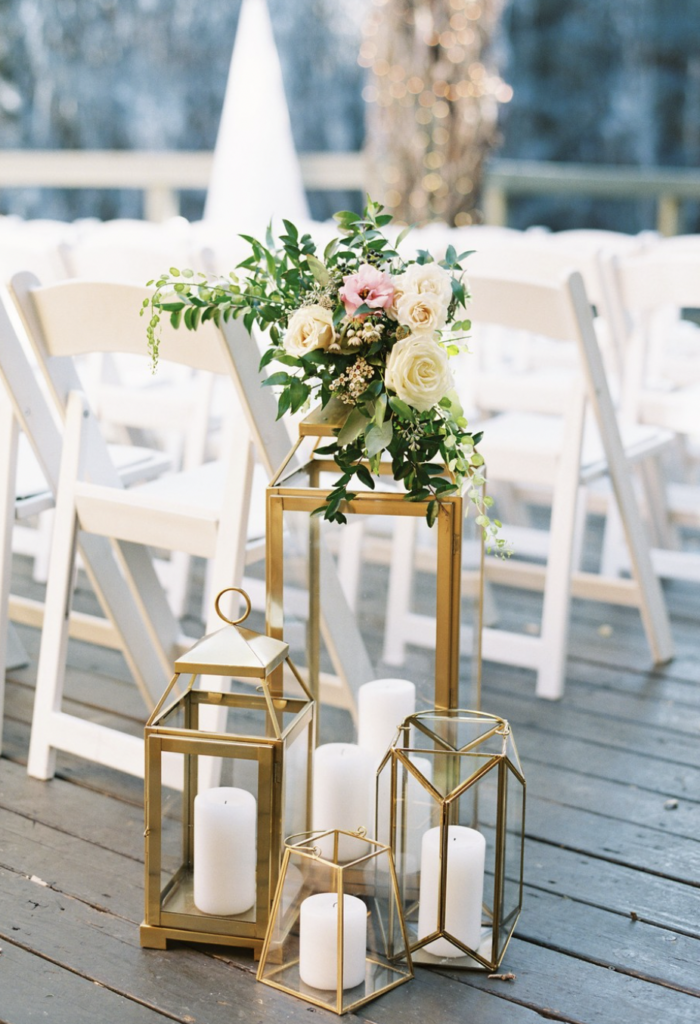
310 327
423 312
399 288
428 277
417 370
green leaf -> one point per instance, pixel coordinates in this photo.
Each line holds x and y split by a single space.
176 317
354 425
432 512
277 378
298 392
363 310
365 476
174 271
380 409
283 404
346 216
267 357
319 270
403 234
458 291
402 410
377 438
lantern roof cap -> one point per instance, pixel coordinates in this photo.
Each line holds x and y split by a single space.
233 650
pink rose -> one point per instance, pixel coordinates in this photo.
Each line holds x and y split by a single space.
368 286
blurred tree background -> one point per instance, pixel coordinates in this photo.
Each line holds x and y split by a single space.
596 81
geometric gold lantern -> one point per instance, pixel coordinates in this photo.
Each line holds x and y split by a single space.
336 937
213 855
451 805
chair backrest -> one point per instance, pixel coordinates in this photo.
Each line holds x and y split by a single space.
535 304
73 318
666 275
650 290
129 250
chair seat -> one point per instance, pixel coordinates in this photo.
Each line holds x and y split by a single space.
527 446
677 409
544 389
190 503
32 496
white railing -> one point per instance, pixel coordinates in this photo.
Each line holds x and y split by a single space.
667 186
161 175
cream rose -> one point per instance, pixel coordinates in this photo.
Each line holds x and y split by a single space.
417 370
423 312
399 289
428 277
311 327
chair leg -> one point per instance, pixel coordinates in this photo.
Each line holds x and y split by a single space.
54 638
350 561
568 517
9 436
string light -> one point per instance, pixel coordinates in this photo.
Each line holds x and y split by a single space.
450 98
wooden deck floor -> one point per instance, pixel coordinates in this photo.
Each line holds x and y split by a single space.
610 931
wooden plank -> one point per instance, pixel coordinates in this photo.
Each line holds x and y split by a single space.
646 849
186 982
34 988
567 988
612 887
620 801
611 940
586 720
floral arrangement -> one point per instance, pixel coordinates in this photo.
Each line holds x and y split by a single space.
366 327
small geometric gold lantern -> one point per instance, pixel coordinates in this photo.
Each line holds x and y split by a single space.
213 854
294 555
336 937
451 805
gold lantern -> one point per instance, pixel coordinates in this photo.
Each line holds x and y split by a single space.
336 937
228 776
298 542
451 805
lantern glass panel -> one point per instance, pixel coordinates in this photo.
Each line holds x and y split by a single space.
362 550
297 784
240 771
514 822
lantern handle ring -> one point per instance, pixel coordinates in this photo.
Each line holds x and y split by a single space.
228 590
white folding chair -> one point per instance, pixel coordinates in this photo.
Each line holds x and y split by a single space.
181 511
27 494
552 451
662 384
204 511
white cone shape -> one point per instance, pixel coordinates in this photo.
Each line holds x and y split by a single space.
256 174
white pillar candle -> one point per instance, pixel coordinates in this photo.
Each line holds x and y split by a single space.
382 706
341 796
318 941
224 850
466 852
